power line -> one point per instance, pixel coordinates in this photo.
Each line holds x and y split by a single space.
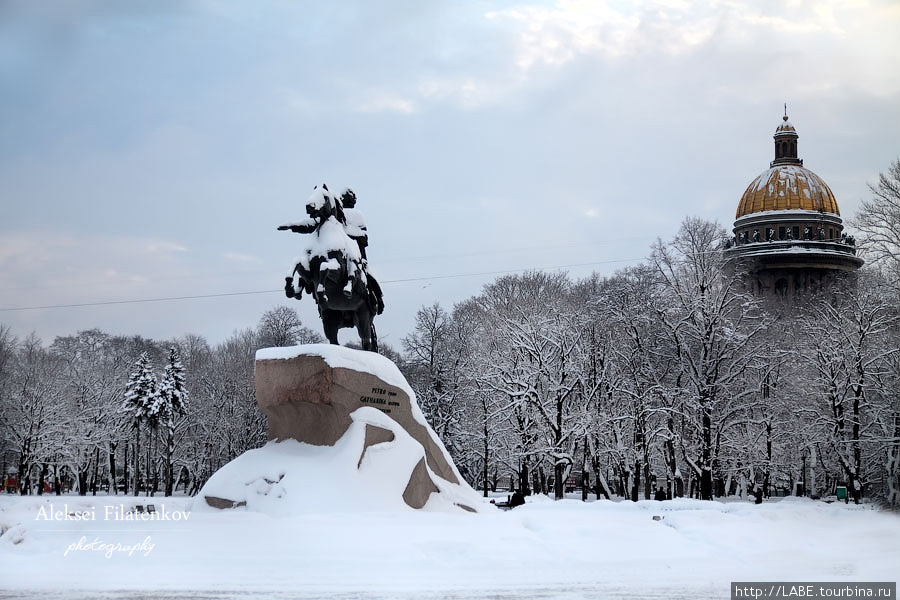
109 302
255 292
387 261
588 264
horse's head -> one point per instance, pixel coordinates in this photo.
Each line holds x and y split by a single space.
321 203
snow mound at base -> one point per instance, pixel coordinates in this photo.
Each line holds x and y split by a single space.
291 478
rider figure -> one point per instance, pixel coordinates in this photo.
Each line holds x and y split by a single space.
355 226
354 223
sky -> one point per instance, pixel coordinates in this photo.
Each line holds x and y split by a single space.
149 149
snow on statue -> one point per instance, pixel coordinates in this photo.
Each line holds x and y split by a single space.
332 266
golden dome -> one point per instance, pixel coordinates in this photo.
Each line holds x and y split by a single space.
787 187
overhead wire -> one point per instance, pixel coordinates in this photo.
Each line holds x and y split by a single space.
256 292
387 261
386 282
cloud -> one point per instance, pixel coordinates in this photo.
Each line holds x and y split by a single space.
384 101
47 267
558 34
467 92
238 258
164 247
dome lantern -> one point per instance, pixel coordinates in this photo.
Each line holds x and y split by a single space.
786 143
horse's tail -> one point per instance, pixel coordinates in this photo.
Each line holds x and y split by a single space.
375 296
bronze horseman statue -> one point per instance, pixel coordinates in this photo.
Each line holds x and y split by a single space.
333 267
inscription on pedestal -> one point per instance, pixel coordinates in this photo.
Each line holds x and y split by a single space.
381 399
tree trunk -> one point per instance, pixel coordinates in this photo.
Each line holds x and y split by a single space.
112 468
648 475
137 464
892 466
22 476
767 474
671 463
706 483
602 485
558 483
170 450
636 481
856 483
96 471
813 462
155 462
584 473
642 455
486 457
82 479
42 479
148 465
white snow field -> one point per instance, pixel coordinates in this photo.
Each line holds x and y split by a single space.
321 522
545 549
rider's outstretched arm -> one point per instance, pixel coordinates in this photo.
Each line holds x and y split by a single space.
307 225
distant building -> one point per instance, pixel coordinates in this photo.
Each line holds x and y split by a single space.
788 234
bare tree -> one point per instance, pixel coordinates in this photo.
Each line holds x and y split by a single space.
32 418
281 326
878 220
712 325
844 332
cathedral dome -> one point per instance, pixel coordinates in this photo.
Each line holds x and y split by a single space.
787 187
788 233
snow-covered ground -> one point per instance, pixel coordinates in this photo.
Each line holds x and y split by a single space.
544 549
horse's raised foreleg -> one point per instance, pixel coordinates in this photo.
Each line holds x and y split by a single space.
289 290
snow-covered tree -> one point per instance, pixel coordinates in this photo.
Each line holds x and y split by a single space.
712 324
32 417
432 367
141 393
844 332
281 326
878 220
171 404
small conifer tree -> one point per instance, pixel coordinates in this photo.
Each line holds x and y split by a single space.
140 396
171 403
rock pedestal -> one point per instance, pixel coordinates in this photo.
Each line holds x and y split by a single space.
309 394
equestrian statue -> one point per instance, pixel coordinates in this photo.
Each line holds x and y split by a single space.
333 268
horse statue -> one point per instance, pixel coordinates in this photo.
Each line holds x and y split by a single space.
333 269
